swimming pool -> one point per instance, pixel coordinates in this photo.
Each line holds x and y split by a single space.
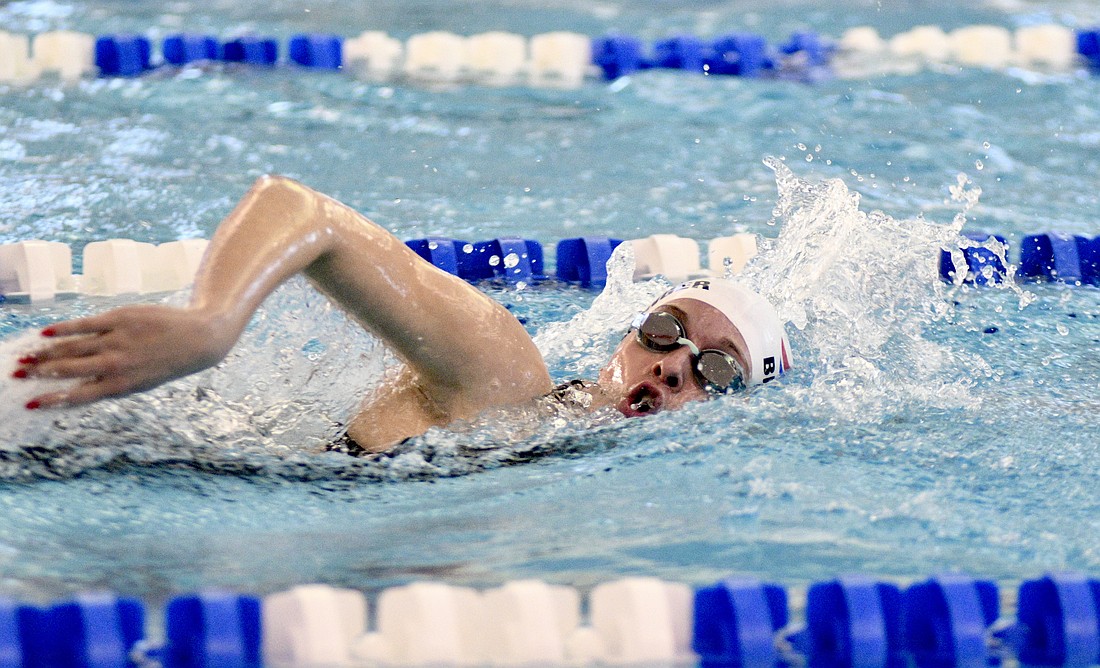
925 427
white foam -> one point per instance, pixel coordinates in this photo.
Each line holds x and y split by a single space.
19 426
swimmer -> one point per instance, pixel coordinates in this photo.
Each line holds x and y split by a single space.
462 352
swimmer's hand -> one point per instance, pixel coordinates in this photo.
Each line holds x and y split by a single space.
126 350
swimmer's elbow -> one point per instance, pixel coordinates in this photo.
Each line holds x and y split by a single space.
274 183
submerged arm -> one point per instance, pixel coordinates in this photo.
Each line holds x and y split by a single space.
465 351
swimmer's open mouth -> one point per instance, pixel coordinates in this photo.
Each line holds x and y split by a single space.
644 399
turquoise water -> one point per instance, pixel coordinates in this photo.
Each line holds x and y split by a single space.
926 427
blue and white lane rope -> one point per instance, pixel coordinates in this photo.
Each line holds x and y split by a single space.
560 59
34 270
945 621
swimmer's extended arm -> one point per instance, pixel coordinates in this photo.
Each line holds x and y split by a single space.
464 351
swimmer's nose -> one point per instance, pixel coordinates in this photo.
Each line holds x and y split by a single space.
673 367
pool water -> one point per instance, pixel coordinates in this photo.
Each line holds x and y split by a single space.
925 427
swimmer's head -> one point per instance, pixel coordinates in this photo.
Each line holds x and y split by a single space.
767 350
692 340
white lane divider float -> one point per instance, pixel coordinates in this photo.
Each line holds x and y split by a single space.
34 271
522 623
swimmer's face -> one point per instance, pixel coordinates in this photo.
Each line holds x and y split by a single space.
644 381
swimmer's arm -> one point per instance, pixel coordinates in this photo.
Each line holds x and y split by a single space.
466 351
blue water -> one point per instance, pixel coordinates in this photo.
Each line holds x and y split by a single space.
926 427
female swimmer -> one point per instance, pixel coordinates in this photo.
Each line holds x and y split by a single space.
463 352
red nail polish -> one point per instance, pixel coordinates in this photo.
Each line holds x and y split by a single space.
34 404
19 373
49 331
29 359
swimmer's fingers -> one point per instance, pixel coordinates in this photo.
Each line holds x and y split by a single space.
67 348
130 349
79 366
95 324
84 393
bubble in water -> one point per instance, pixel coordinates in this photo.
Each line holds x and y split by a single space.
1062 329
494 260
510 260
468 248
985 145
809 157
801 146
979 165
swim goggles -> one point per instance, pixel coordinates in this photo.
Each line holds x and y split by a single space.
663 332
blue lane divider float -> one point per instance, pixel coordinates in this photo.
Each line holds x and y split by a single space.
1043 257
852 622
19 643
122 55
684 52
185 48
212 630
736 54
1058 257
584 260
91 631
1088 45
946 620
983 265
1059 621
736 622
509 258
251 50
741 54
323 52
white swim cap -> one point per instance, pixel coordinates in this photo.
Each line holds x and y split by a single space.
768 349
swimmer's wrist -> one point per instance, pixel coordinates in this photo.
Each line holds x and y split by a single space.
220 328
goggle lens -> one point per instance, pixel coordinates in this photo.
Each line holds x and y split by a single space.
663 332
719 369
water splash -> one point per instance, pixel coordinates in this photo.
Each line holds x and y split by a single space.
581 345
862 289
